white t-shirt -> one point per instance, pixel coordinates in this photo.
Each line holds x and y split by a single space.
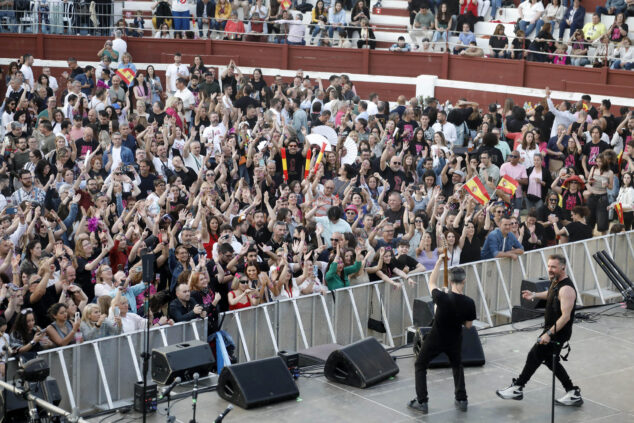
532 10
28 75
180 6
52 82
188 101
194 162
171 74
213 134
116 157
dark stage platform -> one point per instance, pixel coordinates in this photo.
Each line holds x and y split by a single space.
600 363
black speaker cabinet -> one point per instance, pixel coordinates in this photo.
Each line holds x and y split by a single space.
181 360
535 285
257 383
17 408
361 364
423 311
472 352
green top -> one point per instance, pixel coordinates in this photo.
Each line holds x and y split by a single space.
334 281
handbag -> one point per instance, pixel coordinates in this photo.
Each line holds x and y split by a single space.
374 324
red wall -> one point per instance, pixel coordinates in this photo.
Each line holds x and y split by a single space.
495 71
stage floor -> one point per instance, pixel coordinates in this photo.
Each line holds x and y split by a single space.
600 363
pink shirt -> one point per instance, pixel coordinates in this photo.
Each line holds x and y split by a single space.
516 172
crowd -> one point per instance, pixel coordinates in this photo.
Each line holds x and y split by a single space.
224 181
538 35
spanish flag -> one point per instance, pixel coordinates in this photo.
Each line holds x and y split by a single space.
126 75
286 4
507 185
475 187
618 207
620 160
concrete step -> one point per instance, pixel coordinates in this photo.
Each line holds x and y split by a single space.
384 11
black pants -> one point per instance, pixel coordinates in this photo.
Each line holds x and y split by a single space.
598 205
431 348
628 218
544 354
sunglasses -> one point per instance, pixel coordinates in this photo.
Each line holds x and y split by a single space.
513 156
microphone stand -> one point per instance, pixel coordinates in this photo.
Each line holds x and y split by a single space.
194 398
146 348
170 419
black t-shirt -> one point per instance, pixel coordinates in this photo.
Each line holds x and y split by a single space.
542 215
591 151
84 276
260 236
187 178
396 217
497 42
243 102
452 311
404 261
294 163
83 146
40 308
578 231
221 288
394 178
146 186
471 250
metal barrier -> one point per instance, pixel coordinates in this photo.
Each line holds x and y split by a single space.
100 374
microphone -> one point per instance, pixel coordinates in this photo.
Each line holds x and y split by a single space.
167 390
195 390
223 414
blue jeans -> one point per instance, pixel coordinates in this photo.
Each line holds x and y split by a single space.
341 30
199 22
617 65
527 27
579 61
501 54
181 20
541 23
495 5
438 35
600 10
564 25
292 43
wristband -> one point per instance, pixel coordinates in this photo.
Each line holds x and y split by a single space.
549 333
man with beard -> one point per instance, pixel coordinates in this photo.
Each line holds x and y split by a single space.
295 161
28 192
259 230
559 317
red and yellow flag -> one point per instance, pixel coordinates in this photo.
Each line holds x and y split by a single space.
618 207
286 4
284 165
620 160
126 75
507 185
475 187
309 153
320 156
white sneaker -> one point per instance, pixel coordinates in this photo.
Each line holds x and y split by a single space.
514 392
571 399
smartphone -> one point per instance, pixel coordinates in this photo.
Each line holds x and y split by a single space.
77 316
12 210
516 212
117 311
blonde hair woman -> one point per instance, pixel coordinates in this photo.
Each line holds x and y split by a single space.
95 325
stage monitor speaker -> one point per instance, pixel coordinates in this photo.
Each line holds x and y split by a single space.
535 285
17 408
257 383
423 311
361 364
519 314
472 352
181 360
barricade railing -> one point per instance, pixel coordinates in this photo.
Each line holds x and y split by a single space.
100 374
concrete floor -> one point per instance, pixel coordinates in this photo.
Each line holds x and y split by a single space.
600 363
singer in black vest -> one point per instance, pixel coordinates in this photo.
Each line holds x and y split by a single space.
560 310
453 310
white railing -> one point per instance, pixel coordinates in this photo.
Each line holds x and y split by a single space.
100 374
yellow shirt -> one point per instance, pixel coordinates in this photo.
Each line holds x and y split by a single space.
593 31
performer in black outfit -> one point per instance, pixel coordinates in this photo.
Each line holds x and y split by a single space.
560 309
453 310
